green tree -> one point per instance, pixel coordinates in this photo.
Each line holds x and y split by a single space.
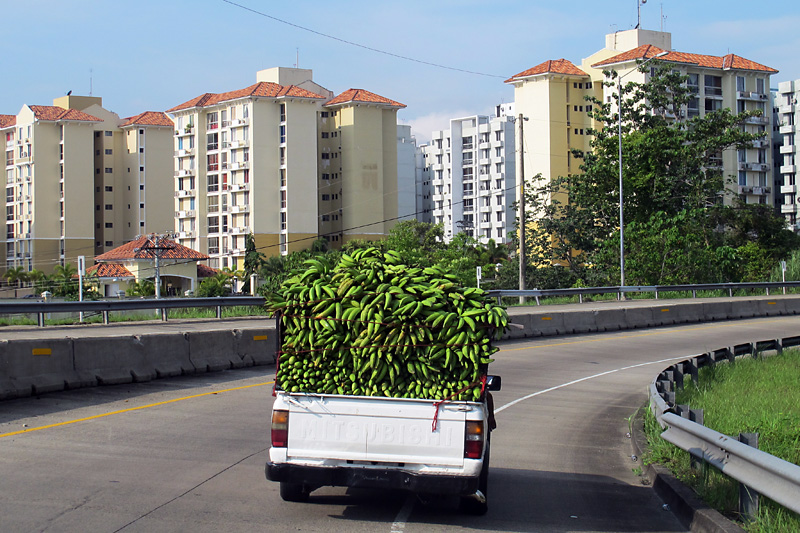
142 288
253 259
16 276
217 285
64 281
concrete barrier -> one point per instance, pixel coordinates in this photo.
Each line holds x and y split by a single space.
255 346
169 353
547 324
717 310
770 307
581 322
110 363
639 317
212 351
610 320
30 367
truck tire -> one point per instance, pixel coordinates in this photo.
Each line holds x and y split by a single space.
294 492
469 504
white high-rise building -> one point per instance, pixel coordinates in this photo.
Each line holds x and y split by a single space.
471 170
788 112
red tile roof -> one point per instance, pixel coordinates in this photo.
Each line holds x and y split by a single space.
109 270
148 118
205 271
729 61
138 250
554 66
362 96
54 113
7 120
260 89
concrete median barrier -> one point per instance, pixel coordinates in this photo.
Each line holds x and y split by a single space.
168 352
110 363
212 351
549 324
639 317
581 322
255 346
30 367
717 310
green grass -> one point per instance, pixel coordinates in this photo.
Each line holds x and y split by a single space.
754 395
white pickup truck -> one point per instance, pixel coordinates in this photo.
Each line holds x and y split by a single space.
423 446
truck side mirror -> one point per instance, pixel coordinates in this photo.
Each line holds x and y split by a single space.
493 383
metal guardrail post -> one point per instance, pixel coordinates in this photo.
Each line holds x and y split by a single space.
748 498
40 318
164 314
105 317
219 311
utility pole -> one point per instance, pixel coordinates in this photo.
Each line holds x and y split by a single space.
522 261
157 246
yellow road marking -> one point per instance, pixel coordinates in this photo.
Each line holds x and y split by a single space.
699 328
42 351
29 430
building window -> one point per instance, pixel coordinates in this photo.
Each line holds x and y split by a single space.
213 226
109 224
109 207
109 170
108 134
109 188
108 151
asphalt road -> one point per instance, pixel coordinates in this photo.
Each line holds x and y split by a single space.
188 454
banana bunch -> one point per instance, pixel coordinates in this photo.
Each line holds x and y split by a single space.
372 326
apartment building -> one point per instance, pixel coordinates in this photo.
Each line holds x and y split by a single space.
788 118
551 96
358 189
245 162
719 82
471 168
409 176
79 178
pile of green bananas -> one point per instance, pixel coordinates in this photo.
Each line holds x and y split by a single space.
373 326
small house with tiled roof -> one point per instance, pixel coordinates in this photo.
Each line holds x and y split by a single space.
179 267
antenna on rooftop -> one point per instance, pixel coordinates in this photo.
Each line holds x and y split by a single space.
639 13
297 58
90 82
663 17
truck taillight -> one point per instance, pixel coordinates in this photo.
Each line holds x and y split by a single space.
280 428
473 439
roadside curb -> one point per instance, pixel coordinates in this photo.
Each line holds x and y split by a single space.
690 510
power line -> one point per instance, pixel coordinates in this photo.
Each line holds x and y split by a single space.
365 47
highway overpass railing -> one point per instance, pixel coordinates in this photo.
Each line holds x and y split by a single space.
759 471
104 307
620 291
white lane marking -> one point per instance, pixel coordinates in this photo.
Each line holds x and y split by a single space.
586 379
399 523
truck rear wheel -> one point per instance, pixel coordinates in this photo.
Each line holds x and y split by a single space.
472 505
294 492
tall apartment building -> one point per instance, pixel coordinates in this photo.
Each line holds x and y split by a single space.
80 180
409 176
358 187
244 163
551 95
286 161
471 167
788 111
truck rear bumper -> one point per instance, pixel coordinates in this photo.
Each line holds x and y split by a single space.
314 476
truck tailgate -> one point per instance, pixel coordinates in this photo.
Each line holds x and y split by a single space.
376 429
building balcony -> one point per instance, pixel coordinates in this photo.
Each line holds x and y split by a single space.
788 189
751 95
240 187
186 234
787 149
240 209
787 129
787 208
239 144
756 167
760 143
745 189
185 193
761 191
185 131
239 165
185 214
788 169
184 172
23 158
239 121
237 251
761 121
183 152
787 108
226 123
712 92
240 231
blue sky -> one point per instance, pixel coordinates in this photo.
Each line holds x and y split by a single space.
148 55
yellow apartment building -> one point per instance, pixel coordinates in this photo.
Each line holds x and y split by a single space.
78 179
358 187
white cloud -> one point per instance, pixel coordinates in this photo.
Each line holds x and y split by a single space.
422 127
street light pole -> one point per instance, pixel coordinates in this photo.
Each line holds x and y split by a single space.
522 262
619 158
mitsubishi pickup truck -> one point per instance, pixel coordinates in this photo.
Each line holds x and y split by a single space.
419 445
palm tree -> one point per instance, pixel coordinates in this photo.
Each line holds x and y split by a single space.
62 278
16 275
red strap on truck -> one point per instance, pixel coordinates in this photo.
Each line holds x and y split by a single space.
438 404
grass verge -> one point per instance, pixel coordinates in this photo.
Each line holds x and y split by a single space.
753 395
